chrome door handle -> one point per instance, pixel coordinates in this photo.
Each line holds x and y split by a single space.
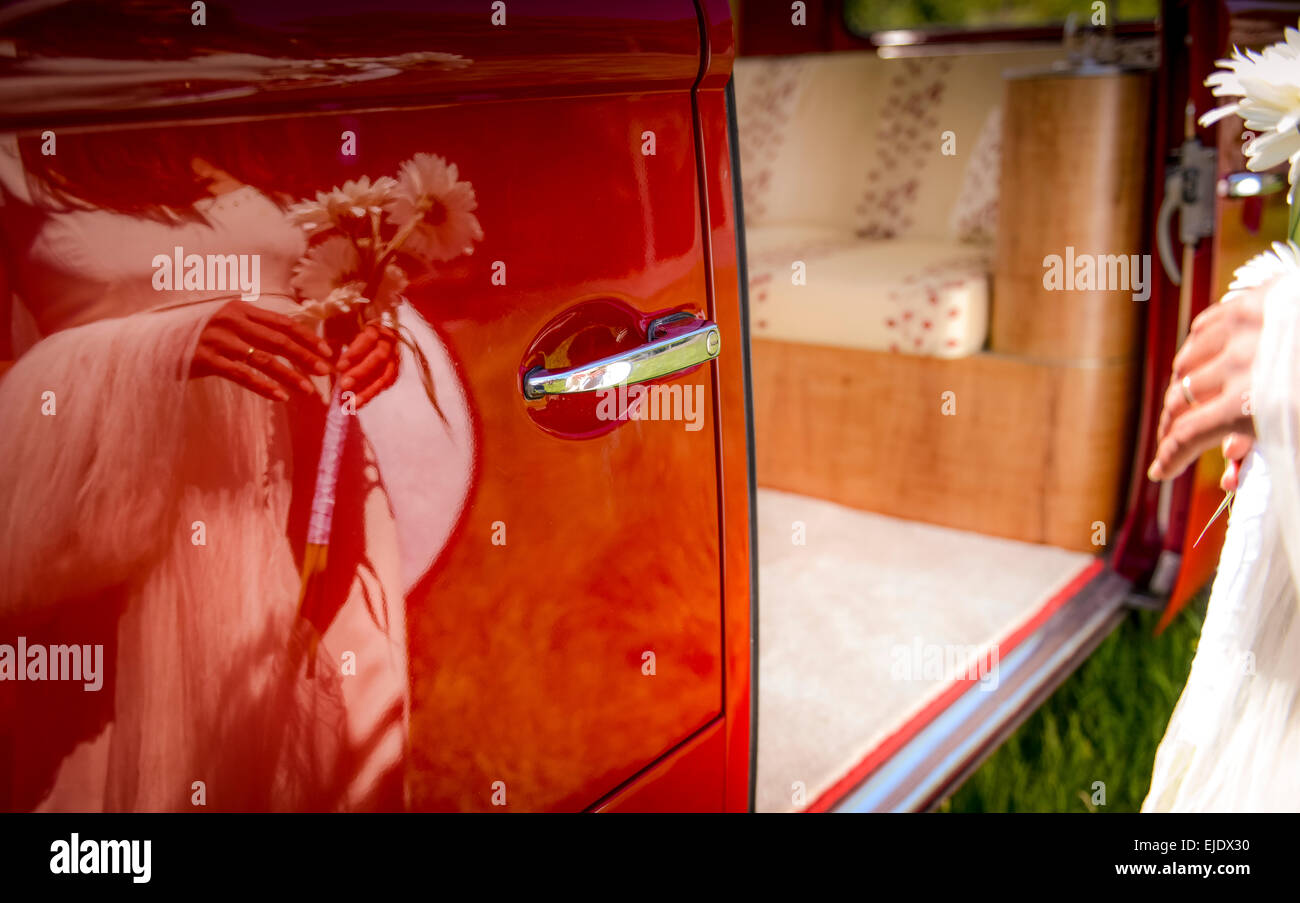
655 358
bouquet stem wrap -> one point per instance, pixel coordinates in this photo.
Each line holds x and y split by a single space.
322 510
327 472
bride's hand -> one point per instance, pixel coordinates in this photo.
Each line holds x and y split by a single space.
260 350
1216 359
1235 449
369 364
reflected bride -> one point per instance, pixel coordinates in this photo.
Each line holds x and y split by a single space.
163 508
181 272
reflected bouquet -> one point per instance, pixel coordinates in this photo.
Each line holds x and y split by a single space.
362 237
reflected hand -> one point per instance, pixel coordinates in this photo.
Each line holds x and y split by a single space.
260 350
1216 360
369 364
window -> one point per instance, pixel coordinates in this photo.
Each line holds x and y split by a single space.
866 16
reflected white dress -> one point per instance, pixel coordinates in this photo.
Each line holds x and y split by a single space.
1233 741
99 509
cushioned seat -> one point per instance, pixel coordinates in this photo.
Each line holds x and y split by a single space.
881 176
911 296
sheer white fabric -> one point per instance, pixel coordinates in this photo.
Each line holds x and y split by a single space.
1233 742
112 460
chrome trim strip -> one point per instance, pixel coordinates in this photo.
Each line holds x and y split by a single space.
945 752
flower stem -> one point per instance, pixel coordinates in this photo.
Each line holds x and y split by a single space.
398 240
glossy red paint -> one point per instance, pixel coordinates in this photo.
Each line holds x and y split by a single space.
686 780
529 656
545 48
690 779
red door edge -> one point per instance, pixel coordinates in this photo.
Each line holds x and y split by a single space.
717 161
1141 545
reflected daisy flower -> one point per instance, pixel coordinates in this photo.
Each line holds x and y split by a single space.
434 210
330 281
337 207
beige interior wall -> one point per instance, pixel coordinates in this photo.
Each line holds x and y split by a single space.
841 116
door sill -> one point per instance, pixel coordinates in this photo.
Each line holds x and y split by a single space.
943 752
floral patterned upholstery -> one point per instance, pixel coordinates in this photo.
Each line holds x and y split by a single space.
841 156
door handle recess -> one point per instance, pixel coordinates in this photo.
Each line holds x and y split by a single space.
655 358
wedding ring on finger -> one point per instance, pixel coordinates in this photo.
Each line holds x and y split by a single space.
1186 384
248 355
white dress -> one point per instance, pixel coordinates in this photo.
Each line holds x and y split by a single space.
101 503
1233 741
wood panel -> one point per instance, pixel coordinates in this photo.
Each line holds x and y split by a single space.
1034 451
1074 172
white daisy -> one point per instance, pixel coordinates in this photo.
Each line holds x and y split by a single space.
334 208
434 209
1283 258
330 281
1268 83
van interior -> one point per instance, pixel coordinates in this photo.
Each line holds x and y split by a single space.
942 443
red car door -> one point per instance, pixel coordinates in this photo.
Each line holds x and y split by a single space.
585 549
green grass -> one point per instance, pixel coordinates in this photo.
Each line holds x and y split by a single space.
1103 724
